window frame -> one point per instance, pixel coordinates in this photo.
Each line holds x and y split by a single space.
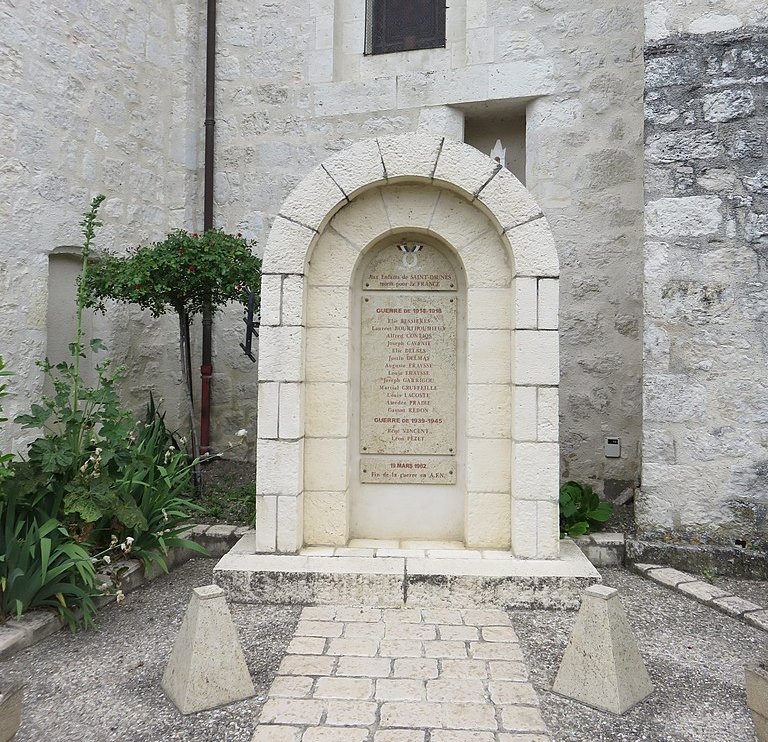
378 38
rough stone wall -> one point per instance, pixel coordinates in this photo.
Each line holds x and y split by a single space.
705 439
286 101
94 98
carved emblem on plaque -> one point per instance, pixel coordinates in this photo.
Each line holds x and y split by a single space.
410 259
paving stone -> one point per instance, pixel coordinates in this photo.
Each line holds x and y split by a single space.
319 628
360 630
499 634
357 614
522 719
401 648
291 686
496 651
400 690
437 615
702 591
463 669
505 692
450 650
318 613
458 633
735 606
455 690
306 645
420 715
348 689
415 667
367 667
350 713
323 734
503 670
411 631
353 647
402 615
486 617
273 733
759 619
524 737
292 711
455 735
643 568
304 664
669 576
399 735
470 716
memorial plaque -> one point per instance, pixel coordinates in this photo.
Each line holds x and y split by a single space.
408 368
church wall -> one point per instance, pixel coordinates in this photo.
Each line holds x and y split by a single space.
95 98
293 88
705 445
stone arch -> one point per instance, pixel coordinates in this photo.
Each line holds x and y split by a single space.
433 185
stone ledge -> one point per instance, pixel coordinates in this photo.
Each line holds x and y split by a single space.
603 549
711 596
35 626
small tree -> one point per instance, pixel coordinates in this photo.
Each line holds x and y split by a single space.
183 273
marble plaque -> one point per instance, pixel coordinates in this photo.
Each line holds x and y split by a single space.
407 470
410 266
408 373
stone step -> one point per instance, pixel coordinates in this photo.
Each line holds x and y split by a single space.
443 580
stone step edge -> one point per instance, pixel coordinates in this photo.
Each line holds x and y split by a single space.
604 548
37 625
713 597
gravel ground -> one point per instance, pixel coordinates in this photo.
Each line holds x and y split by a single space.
694 654
754 590
104 685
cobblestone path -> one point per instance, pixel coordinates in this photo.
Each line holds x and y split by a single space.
412 675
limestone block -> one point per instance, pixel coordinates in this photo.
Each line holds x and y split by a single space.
489 354
457 220
602 666
547 418
291 411
549 303
488 464
488 520
443 86
292 305
445 121
362 220
278 467
327 306
533 249
207 667
287 247
524 525
526 302
332 260
548 530
410 206
313 200
536 469
728 105
489 309
326 410
325 464
488 410
325 518
410 155
689 216
524 425
356 167
464 167
536 357
280 353
487 262
271 298
11 698
290 516
266 523
327 354
268 406
508 201
355 96
521 79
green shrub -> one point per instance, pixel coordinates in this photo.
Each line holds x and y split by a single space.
5 458
580 507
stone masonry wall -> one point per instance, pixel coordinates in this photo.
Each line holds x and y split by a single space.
94 98
291 93
705 437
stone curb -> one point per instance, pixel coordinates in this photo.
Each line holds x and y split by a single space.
37 625
711 596
603 549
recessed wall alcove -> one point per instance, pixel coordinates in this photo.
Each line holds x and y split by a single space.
318 458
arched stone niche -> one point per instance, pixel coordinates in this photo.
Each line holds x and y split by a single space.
449 197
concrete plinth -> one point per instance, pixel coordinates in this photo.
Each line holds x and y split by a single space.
207 666
394 577
602 666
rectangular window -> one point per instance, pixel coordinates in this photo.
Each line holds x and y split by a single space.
403 25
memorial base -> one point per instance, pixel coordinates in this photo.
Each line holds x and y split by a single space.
394 578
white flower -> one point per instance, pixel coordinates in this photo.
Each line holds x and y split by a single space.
113 541
119 596
242 433
129 540
107 560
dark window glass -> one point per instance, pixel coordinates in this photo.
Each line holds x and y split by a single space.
402 25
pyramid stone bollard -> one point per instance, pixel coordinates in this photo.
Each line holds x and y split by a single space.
207 666
602 666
